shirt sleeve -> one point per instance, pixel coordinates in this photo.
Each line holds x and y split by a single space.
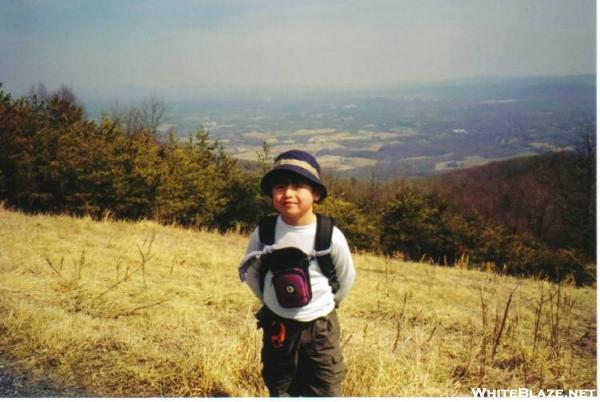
253 275
342 261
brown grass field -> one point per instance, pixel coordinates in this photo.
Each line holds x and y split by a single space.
140 309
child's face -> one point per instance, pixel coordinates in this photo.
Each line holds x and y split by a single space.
294 199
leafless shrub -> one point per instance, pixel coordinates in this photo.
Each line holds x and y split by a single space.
79 264
538 314
484 336
498 332
56 269
146 254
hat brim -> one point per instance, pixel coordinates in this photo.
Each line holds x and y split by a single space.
266 184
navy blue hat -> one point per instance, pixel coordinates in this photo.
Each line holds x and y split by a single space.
299 162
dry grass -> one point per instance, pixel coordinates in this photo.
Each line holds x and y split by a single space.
138 309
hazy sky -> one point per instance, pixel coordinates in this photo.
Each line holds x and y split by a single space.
100 45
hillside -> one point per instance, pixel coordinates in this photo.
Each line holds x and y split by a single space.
55 160
140 309
550 198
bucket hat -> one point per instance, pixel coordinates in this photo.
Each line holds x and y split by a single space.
298 162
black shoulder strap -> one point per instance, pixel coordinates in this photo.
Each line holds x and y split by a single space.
322 243
324 232
266 236
266 230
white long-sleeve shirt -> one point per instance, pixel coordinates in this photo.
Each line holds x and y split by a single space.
323 300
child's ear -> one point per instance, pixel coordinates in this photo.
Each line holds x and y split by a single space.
316 196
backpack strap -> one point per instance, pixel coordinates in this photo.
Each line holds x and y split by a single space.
323 243
266 237
266 230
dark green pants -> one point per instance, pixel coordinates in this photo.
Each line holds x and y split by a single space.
306 361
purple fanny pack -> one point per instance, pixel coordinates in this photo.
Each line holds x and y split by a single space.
291 279
292 287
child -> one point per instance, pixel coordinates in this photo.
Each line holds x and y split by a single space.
301 352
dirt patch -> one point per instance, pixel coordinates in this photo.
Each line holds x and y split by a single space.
587 343
17 385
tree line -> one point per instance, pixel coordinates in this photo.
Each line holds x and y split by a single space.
53 159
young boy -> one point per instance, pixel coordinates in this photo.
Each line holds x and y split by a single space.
301 350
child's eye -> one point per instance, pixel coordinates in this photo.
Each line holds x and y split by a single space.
303 185
292 186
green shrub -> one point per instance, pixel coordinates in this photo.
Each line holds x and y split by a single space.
360 229
423 225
